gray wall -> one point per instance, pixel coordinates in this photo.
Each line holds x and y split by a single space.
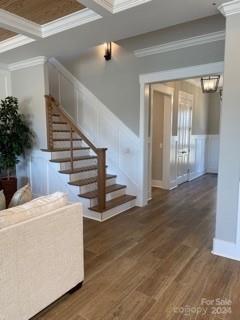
116 83
157 135
214 110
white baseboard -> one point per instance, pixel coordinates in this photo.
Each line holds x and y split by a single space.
226 249
195 175
160 184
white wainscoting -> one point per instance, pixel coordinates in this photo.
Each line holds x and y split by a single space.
212 154
198 156
43 176
204 156
100 125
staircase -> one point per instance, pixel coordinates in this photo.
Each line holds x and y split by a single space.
85 165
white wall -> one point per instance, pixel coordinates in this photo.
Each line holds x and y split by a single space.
29 85
5 84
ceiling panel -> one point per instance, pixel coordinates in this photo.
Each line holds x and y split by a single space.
41 11
6 34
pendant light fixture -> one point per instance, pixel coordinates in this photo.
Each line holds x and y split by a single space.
210 84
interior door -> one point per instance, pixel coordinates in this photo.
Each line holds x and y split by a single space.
185 106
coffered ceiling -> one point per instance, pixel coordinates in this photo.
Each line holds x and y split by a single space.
6 34
41 11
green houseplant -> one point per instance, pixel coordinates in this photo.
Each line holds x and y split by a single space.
15 138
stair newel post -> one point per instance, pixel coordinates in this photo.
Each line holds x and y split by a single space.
101 179
49 112
71 147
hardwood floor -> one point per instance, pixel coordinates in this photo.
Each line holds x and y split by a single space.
155 263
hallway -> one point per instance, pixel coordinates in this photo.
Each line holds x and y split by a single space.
151 261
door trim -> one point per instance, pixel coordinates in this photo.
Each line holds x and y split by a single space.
167 134
162 76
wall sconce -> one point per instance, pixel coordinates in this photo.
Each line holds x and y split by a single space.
210 84
108 51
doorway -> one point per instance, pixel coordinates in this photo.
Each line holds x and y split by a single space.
160 131
145 90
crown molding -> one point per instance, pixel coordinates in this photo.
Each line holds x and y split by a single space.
70 21
121 5
230 8
14 42
30 31
27 63
115 6
180 44
18 24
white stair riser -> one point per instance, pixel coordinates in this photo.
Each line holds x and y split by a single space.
57 118
60 127
78 164
63 135
110 196
67 144
82 175
75 191
67 154
117 210
108 214
93 186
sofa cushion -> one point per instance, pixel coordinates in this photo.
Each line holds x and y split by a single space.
2 201
34 208
21 196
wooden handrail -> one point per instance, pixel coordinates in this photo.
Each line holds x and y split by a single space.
70 121
51 106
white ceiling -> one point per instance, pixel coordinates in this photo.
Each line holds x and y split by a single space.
153 15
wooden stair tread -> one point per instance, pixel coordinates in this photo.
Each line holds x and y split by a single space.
114 203
65 149
67 139
55 115
109 189
84 182
60 160
79 170
62 130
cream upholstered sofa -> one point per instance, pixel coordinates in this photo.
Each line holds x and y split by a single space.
41 257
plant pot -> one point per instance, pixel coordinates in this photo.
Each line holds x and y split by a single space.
9 187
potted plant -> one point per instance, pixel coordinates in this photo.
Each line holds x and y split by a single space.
15 138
